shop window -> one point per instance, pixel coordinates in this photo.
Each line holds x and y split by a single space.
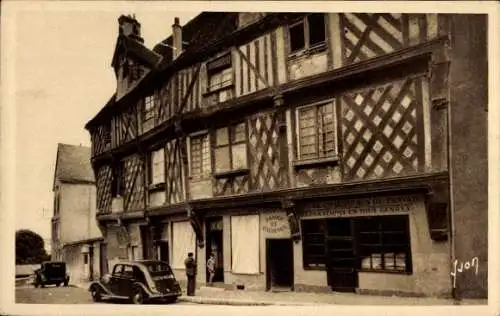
230 148
384 243
316 131
314 244
156 168
308 33
200 157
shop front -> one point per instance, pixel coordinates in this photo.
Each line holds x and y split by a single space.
379 244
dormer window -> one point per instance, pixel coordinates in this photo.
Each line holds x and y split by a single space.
308 33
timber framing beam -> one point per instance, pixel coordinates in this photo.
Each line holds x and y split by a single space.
412 59
423 184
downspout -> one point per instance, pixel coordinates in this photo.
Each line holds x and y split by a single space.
451 217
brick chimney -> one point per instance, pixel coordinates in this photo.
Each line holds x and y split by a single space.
130 27
176 38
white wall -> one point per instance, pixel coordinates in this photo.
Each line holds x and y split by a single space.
77 213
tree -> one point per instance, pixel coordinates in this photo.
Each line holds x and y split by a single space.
30 248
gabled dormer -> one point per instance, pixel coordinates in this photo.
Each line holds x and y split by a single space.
131 59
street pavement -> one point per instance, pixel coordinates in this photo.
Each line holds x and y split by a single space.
78 294
59 295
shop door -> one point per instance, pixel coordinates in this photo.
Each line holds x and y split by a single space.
340 256
279 265
215 246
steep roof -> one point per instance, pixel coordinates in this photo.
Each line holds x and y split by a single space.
73 164
137 49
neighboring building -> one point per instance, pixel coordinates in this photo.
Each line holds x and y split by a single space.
340 151
76 238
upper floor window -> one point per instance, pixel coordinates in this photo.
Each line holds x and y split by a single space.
157 167
200 157
307 33
118 182
230 148
220 78
149 106
316 131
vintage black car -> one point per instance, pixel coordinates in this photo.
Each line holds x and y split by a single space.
138 282
50 273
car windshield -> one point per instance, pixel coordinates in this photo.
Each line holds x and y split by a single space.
158 268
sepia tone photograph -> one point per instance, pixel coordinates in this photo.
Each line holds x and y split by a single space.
177 156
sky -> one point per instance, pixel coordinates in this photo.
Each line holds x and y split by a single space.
63 77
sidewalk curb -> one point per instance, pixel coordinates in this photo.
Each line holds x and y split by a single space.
235 302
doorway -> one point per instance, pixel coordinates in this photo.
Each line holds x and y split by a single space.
214 237
103 262
340 256
91 263
147 242
279 265
162 251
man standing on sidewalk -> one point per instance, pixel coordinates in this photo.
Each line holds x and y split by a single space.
211 269
190 264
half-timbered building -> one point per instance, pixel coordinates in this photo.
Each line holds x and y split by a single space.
307 151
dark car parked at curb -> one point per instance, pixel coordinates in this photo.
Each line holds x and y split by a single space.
138 282
51 273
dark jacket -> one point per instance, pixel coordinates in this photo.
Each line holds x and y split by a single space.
190 266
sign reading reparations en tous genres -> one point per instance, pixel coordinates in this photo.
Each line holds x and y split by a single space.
362 207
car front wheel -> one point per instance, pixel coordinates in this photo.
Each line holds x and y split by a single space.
96 294
138 296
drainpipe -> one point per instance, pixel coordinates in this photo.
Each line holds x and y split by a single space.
451 213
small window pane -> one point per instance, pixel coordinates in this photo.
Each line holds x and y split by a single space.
297 39
222 159
239 156
239 133
221 137
316 28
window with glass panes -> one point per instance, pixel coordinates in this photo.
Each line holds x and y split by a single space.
149 104
221 79
220 73
230 148
200 157
317 137
314 243
384 243
157 167
308 32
